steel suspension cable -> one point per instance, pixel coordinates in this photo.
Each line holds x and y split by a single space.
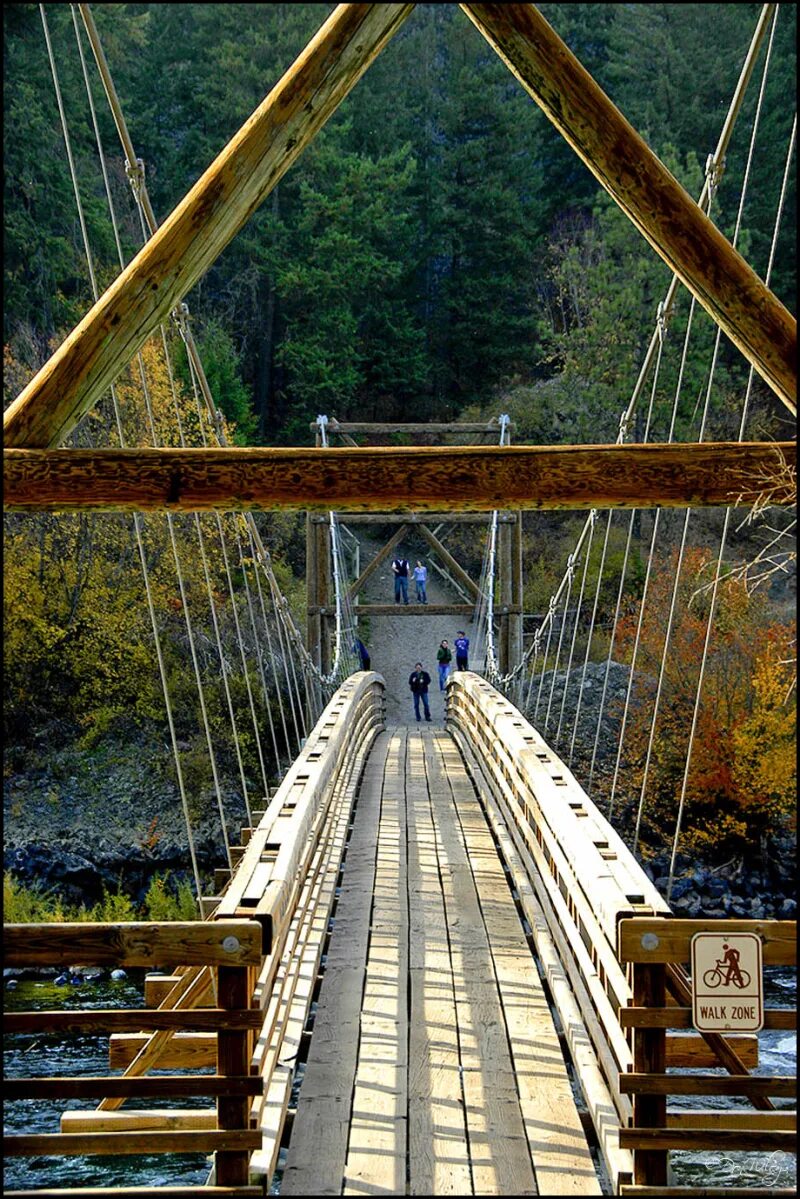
723 537
137 516
135 170
714 168
621 590
575 628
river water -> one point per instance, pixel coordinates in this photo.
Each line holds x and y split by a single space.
46 1056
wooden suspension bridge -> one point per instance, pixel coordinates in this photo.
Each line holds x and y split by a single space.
428 942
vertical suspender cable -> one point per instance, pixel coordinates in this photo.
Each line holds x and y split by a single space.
137 518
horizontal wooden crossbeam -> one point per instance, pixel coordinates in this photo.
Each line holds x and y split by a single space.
412 608
335 426
417 518
390 479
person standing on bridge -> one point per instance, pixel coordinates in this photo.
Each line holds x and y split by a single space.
420 579
419 681
360 648
401 569
444 657
461 644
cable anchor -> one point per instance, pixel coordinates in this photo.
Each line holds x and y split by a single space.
135 172
715 169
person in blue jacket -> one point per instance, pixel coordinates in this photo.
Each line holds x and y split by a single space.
461 646
360 648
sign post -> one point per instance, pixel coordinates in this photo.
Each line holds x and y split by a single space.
727 985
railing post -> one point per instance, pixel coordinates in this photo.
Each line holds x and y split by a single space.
649 1057
233 1057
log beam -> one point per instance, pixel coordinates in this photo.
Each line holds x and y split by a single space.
443 552
649 195
205 221
417 518
381 479
388 427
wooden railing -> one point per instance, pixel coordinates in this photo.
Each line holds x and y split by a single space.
232 949
578 885
657 951
276 907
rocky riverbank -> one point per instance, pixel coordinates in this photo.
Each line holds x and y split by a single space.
111 817
730 890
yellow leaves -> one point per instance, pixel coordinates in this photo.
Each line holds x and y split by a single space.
765 768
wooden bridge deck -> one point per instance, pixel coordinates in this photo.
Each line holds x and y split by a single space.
434 1065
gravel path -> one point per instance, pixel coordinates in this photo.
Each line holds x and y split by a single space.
396 643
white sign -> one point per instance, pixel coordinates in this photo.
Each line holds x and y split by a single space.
727 989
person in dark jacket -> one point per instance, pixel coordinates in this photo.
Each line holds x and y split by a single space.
461 644
401 568
419 681
360 648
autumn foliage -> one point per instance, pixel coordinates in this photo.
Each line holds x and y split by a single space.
741 784
80 657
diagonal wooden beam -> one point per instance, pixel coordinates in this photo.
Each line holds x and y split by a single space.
381 556
449 561
198 230
460 478
677 229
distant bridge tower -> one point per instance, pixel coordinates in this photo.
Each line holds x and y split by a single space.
509 600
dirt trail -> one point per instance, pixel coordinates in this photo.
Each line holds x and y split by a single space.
395 643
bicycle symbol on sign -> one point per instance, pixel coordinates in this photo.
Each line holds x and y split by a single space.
727 971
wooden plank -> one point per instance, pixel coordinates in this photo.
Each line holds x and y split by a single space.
186 1050
714 1118
199 228
335 426
681 1017
376 1151
136 943
499 1155
673 938
462 611
437 1134
110 1020
87 1087
557 1145
420 478
416 518
684 1051
158 986
782 1086
194 986
55 1144
677 228
756 1141
157 1120
598 1098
